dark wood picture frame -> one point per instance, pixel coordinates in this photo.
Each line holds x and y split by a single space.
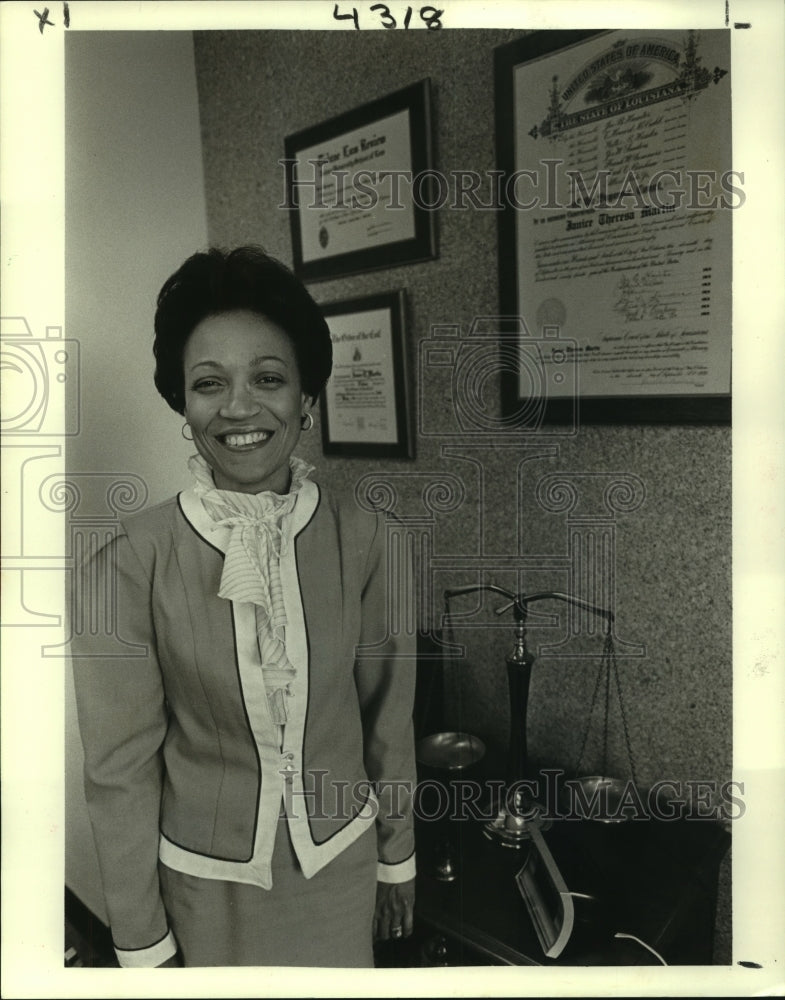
653 409
422 245
372 445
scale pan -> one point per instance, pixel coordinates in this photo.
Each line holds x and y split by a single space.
605 798
450 751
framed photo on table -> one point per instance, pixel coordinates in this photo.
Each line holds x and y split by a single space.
364 407
359 186
615 229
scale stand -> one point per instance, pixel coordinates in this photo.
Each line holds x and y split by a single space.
520 820
518 812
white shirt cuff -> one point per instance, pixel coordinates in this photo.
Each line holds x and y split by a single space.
147 958
401 872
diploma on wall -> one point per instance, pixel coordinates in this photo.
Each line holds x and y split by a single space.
356 187
362 400
353 200
620 217
364 406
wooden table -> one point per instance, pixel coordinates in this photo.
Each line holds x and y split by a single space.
655 880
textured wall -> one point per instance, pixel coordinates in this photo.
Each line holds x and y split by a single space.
672 550
132 147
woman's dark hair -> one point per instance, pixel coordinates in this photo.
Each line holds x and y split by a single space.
219 281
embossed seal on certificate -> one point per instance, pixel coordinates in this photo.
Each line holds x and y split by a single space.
551 312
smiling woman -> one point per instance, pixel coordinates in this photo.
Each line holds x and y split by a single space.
249 771
244 400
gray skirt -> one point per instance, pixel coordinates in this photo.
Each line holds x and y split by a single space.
325 921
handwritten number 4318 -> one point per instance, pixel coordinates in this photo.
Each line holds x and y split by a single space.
430 15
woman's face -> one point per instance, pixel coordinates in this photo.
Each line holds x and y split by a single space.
244 400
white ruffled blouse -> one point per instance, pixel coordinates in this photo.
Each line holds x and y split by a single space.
252 565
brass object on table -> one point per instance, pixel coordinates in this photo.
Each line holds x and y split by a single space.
449 751
609 794
444 758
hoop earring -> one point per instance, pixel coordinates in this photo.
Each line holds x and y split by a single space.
182 431
308 418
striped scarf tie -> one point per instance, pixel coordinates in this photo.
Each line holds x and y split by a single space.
252 571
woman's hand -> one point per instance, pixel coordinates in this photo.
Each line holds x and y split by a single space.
394 916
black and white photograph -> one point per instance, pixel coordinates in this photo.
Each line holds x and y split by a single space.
632 275
365 406
338 230
393 574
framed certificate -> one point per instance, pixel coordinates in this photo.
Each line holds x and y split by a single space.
364 406
359 187
615 232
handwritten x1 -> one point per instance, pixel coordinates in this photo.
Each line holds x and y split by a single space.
43 19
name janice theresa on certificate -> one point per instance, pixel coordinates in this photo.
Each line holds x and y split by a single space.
627 244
